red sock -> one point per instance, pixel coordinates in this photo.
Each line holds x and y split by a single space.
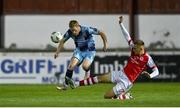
89 81
122 97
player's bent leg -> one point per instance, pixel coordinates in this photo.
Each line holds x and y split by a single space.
86 66
89 58
74 61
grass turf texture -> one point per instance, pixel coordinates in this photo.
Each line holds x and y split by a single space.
145 94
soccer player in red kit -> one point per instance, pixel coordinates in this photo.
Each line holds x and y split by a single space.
138 62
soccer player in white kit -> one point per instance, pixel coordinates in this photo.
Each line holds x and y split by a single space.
138 62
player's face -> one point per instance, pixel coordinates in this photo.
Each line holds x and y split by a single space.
75 30
138 49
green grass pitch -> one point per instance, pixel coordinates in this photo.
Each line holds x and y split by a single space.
145 94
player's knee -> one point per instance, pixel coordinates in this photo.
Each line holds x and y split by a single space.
85 67
71 67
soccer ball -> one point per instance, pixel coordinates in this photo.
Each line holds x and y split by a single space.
56 37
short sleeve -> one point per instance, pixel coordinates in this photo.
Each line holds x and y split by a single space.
92 30
66 36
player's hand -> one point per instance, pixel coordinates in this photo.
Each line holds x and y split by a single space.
120 19
146 74
55 55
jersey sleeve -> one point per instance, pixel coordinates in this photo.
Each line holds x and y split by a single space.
126 35
66 36
152 66
92 30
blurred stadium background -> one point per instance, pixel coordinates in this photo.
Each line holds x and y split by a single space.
26 52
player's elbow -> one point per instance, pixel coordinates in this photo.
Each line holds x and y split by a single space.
103 36
101 33
155 73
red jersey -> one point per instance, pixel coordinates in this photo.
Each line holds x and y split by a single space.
137 64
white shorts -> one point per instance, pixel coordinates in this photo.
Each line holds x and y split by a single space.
122 82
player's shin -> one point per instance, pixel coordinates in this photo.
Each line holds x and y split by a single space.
69 74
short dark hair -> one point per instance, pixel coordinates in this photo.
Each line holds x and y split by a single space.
73 23
139 42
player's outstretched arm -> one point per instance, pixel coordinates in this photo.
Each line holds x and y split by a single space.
125 32
60 46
